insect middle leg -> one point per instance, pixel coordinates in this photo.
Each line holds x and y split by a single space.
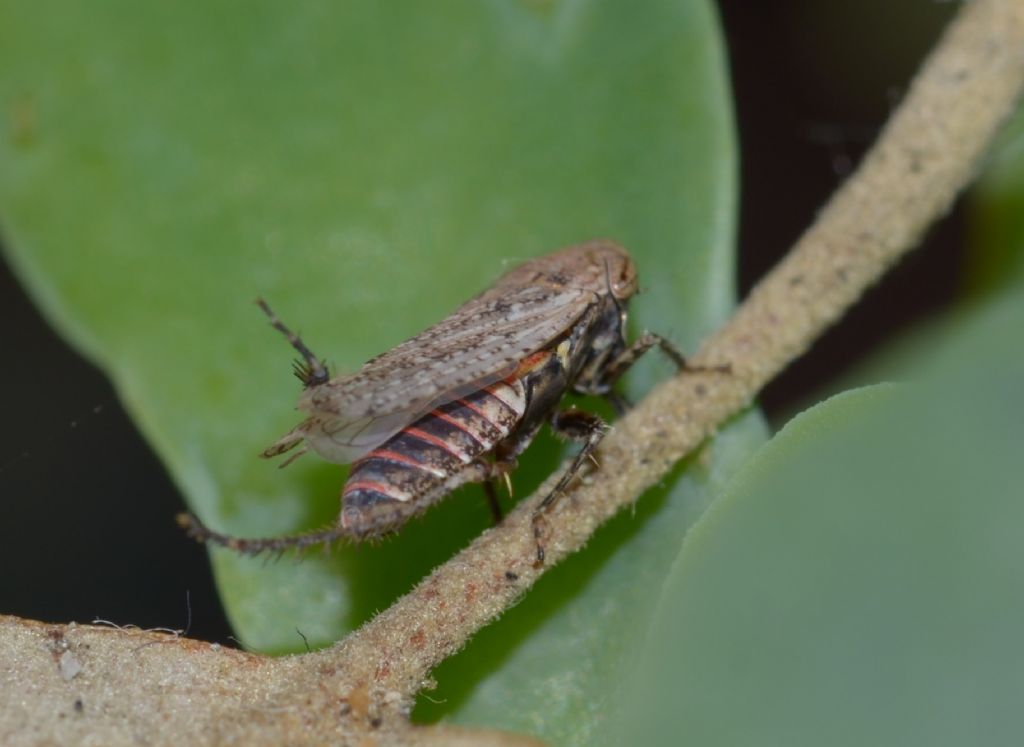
576 425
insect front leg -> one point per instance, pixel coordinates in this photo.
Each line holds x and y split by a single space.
576 425
625 360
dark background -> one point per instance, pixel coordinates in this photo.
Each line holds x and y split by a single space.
87 529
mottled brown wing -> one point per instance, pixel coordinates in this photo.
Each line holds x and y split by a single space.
483 341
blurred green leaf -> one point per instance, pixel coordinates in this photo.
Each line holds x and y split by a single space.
366 167
996 238
859 581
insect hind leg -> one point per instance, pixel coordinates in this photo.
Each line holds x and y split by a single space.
257 545
310 370
576 425
494 471
491 491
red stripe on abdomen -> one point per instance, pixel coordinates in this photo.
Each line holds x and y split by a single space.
418 460
441 443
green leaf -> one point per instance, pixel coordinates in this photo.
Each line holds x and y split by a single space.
995 258
859 581
366 167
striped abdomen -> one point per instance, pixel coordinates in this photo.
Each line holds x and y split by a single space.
430 457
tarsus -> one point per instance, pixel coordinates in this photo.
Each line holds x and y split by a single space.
310 371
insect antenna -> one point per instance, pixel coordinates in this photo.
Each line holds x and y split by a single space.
257 545
310 371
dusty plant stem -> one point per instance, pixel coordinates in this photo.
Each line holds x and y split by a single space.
927 153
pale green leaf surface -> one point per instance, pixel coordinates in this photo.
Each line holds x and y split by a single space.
366 167
859 580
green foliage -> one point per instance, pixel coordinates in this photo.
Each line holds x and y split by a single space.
859 580
365 167
996 249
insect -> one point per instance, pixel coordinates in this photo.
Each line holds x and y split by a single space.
460 401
